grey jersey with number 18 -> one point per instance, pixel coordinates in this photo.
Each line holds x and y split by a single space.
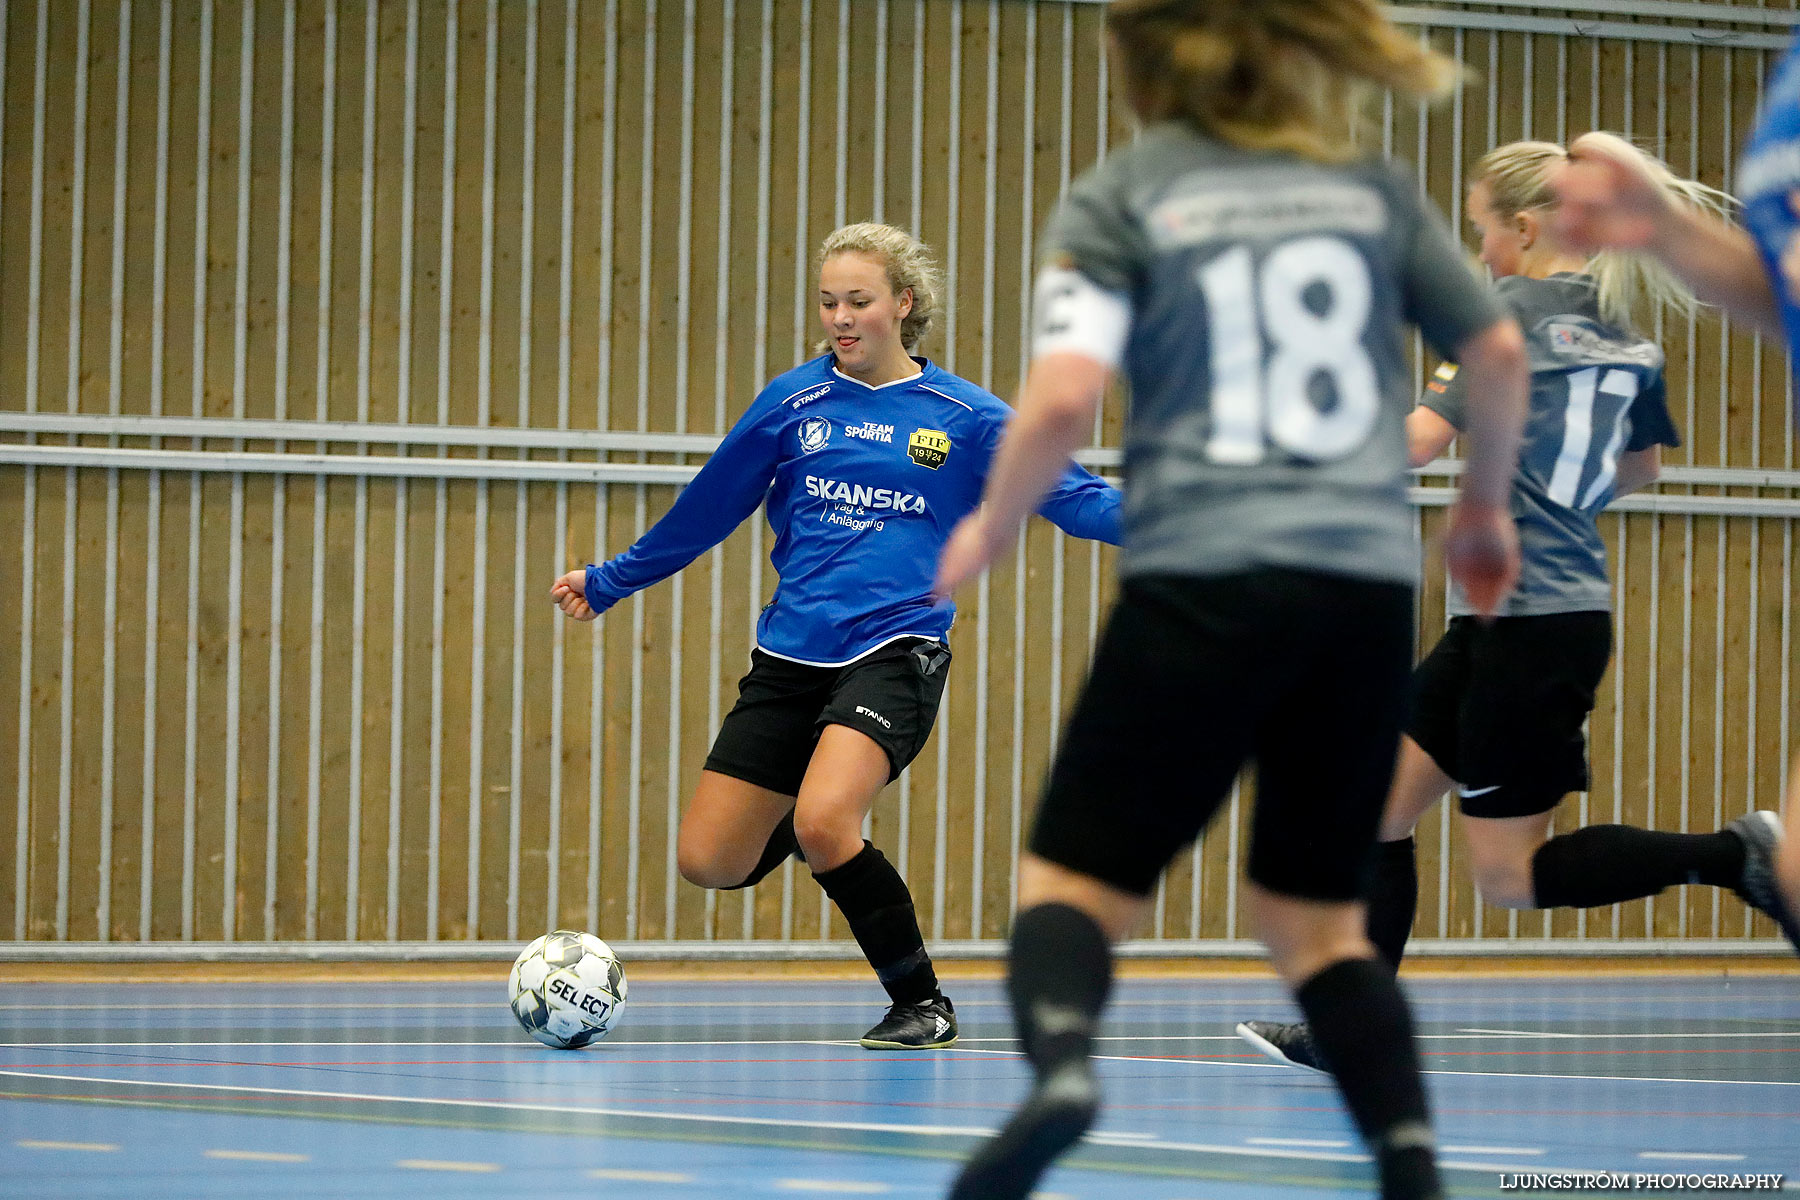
1271 300
1596 391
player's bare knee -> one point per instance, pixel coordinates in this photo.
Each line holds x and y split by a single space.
706 864
828 835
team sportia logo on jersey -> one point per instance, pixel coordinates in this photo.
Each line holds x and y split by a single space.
870 431
814 433
864 497
928 447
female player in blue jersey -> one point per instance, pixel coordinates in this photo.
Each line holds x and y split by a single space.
1499 708
867 457
1256 279
1611 198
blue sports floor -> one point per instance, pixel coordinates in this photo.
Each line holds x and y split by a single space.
733 1089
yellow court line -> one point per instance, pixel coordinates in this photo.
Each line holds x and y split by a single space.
639 1176
95 1147
433 1164
268 1156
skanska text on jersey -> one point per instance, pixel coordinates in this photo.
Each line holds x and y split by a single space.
859 496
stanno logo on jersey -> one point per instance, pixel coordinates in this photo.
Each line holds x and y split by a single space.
814 433
928 447
809 397
864 497
870 431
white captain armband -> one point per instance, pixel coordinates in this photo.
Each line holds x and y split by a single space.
1072 314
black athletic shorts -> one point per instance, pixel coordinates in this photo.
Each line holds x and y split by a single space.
1304 673
891 693
1501 708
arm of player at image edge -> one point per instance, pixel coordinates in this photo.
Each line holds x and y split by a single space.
1056 408
1610 199
1428 435
1638 469
1481 547
1078 335
724 492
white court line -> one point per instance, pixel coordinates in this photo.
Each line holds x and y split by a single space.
1488 1150
962 1043
836 1187
516 1106
1694 1156
705 1119
621 1176
266 1156
1322 1145
90 1147
1208 1062
1418 1002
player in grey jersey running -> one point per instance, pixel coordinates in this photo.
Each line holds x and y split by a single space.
1499 708
1256 282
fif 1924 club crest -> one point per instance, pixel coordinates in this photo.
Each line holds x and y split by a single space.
814 433
928 447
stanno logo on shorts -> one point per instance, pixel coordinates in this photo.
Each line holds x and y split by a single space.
814 433
928 447
874 716
871 432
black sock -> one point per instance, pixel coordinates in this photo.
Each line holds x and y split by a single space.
1604 864
874 900
782 845
1393 899
1058 974
1363 1031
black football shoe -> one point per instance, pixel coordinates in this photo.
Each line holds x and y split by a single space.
927 1026
1290 1044
1760 886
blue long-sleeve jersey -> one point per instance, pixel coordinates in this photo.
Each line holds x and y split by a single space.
1768 174
864 485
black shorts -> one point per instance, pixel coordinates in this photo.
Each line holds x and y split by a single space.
1501 708
1305 673
891 693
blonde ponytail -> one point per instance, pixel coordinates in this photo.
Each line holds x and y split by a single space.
1629 287
1285 75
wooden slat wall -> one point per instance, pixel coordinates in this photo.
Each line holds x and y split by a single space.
279 708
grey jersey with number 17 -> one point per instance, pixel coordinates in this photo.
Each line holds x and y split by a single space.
1596 391
1271 299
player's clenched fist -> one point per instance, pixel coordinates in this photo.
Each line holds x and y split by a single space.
570 595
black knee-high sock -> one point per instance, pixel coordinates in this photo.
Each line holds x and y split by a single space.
1364 1032
782 845
1604 864
1393 899
879 908
1058 974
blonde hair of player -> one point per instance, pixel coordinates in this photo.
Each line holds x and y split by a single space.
1284 75
908 264
1629 287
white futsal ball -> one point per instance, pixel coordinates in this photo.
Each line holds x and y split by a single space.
567 989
